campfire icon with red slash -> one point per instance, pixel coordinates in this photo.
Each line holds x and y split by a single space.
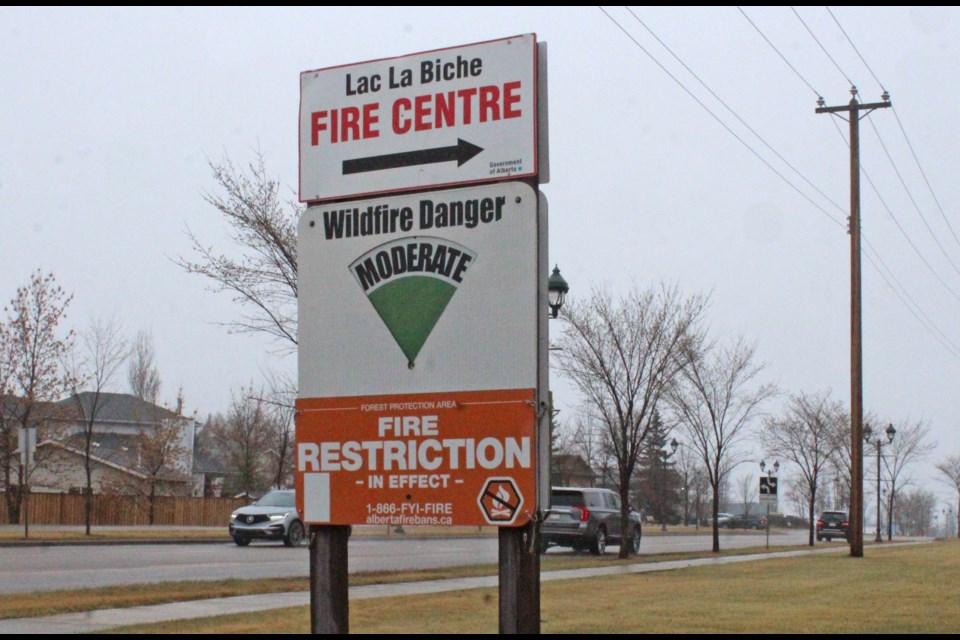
500 501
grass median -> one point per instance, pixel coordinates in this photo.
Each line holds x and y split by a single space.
898 589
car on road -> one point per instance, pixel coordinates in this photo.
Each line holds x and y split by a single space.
722 520
587 519
833 524
746 522
272 517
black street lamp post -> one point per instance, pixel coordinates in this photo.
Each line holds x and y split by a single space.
867 435
663 456
771 473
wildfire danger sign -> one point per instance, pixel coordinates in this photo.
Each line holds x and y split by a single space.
418 358
447 117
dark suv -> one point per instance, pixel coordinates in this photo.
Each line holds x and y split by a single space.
585 518
833 524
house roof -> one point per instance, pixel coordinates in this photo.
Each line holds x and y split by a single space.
570 463
119 407
115 450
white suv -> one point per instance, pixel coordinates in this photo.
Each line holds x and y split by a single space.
272 517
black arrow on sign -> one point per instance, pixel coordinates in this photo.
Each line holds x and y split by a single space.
462 152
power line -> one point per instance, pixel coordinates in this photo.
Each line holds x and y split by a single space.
924 174
903 130
915 309
912 200
897 222
719 121
912 305
824 49
734 113
782 57
862 59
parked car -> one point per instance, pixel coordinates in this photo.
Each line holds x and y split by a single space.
272 517
587 518
833 524
746 522
722 520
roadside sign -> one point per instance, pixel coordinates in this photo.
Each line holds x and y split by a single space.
27 441
447 117
418 358
768 490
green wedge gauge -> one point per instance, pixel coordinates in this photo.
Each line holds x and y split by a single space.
410 282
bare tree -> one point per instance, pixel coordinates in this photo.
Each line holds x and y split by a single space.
913 512
621 355
8 417
700 485
102 352
264 278
280 410
797 492
142 374
243 438
35 347
687 466
716 400
910 445
159 446
587 438
747 491
806 435
950 468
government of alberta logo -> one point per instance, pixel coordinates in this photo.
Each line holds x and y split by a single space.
409 282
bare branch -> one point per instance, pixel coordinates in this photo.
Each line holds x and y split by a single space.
715 402
264 277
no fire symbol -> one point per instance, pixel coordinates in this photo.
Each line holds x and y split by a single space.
500 501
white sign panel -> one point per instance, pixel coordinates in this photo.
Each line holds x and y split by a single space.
440 118
419 293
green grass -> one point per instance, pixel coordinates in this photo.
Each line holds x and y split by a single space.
907 589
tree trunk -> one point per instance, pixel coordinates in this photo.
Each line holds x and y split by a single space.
152 498
625 548
716 525
812 524
13 497
890 516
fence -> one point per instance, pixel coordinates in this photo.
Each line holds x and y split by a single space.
110 510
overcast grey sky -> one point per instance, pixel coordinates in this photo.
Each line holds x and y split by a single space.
108 117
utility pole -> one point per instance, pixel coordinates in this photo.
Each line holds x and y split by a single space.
856 338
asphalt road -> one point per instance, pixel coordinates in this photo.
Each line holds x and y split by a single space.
68 567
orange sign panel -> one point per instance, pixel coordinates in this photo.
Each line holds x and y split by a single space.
460 458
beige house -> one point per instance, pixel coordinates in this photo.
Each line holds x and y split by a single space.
135 444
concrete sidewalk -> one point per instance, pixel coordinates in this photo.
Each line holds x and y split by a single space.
92 621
